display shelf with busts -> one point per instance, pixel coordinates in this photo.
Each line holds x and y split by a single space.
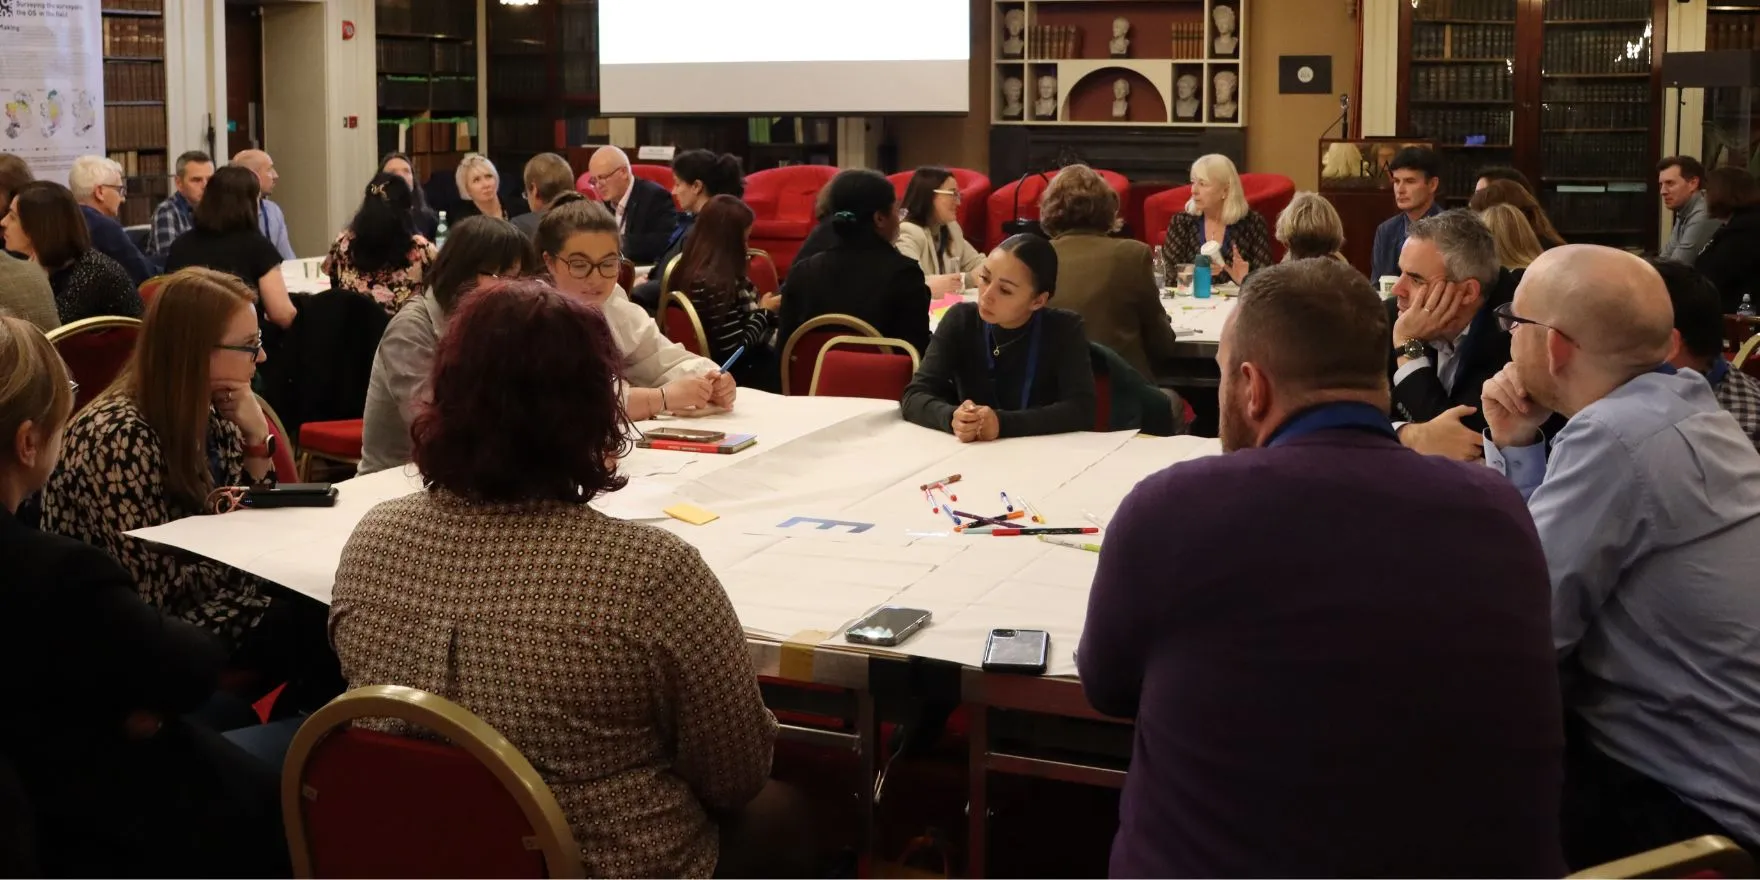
1182 63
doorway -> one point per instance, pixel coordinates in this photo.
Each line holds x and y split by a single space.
244 80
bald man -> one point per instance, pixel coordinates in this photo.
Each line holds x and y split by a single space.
269 216
1648 505
646 214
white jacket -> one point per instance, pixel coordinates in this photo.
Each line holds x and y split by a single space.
960 257
650 360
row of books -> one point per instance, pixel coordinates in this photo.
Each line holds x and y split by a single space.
1595 10
138 164
134 128
797 130
439 137
134 37
1188 39
1577 212
580 51
1596 155
1480 10
415 56
456 18
1460 169
1464 82
1577 90
1617 49
519 77
584 128
1434 41
1601 115
1457 126
421 93
1737 31
134 82
1054 41
134 5
522 133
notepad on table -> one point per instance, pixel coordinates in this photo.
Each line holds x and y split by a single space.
726 446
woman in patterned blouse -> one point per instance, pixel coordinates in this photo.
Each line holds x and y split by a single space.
179 423
605 651
712 273
380 255
1218 213
44 223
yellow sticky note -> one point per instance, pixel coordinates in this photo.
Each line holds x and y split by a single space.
691 513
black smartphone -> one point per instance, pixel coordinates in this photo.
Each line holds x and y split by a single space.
1017 650
292 495
687 435
887 626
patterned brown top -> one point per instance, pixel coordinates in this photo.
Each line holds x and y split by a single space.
604 650
111 481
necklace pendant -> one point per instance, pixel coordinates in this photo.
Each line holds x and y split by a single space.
996 352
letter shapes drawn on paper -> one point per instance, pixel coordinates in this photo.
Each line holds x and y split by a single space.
855 528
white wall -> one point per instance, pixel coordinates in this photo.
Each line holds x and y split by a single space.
195 73
1686 33
1380 68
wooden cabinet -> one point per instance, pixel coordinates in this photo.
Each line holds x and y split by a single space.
1569 92
426 76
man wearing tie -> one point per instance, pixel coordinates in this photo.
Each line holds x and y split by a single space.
645 211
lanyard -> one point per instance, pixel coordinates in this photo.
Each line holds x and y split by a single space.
1327 416
1665 368
1032 357
1718 372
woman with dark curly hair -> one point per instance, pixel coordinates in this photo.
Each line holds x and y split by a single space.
604 650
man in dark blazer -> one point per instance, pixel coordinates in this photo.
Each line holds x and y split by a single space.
547 177
644 209
1310 698
1445 339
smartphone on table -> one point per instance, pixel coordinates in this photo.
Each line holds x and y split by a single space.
1026 651
291 495
887 626
687 435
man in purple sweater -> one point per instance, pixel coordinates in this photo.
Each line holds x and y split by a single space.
1338 651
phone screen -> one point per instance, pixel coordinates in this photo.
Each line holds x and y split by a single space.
888 624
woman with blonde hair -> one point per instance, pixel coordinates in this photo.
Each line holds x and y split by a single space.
1109 281
1310 227
1217 214
1508 192
1517 246
166 441
479 185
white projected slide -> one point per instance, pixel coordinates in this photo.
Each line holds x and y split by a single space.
783 56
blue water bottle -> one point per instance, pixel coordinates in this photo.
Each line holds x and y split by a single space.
1201 276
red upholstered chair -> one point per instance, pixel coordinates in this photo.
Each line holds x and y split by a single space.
657 173
338 441
762 272
974 190
857 371
150 288
1267 195
626 274
1001 208
286 470
679 321
1102 402
360 803
584 185
782 201
96 350
800 353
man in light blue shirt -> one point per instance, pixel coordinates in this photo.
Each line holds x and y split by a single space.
1648 507
269 217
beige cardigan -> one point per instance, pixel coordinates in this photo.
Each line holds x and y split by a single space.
915 242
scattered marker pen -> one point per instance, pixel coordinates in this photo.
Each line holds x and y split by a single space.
1076 530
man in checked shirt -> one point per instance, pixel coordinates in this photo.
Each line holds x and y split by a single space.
174 216
1698 327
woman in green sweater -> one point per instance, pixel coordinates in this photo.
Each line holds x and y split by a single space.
1007 365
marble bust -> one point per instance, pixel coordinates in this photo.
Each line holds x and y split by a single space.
1185 103
1014 22
1046 106
1224 107
1012 89
1120 46
1226 43
1121 93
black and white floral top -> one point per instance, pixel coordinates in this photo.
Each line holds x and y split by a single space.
111 481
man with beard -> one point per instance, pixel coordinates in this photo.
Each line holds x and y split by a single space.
1648 505
1319 687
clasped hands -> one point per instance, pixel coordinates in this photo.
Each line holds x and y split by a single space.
975 423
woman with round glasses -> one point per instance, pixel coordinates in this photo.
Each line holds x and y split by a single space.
930 233
580 246
164 442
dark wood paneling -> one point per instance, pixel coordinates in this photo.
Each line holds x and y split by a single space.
1361 212
1140 154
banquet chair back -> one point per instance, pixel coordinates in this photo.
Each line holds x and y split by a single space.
338 441
861 369
95 350
626 274
761 271
1738 329
1745 359
286 470
150 288
665 284
679 321
362 803
1709 856
800 352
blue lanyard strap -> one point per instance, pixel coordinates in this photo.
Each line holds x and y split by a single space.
1032 357
1718 372
1327 416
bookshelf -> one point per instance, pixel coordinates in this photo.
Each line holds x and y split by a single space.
1056 56
1567 91
543 79
135 125
426 79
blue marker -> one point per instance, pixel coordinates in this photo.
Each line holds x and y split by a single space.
1007 502
733 358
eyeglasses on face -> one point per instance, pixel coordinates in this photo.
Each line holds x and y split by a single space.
121 188
602 179
948 192
254 348
582 268
1507 319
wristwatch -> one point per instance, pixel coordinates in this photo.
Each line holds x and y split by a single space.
1414 349
265 449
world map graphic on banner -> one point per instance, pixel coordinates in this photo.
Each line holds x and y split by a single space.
51 83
